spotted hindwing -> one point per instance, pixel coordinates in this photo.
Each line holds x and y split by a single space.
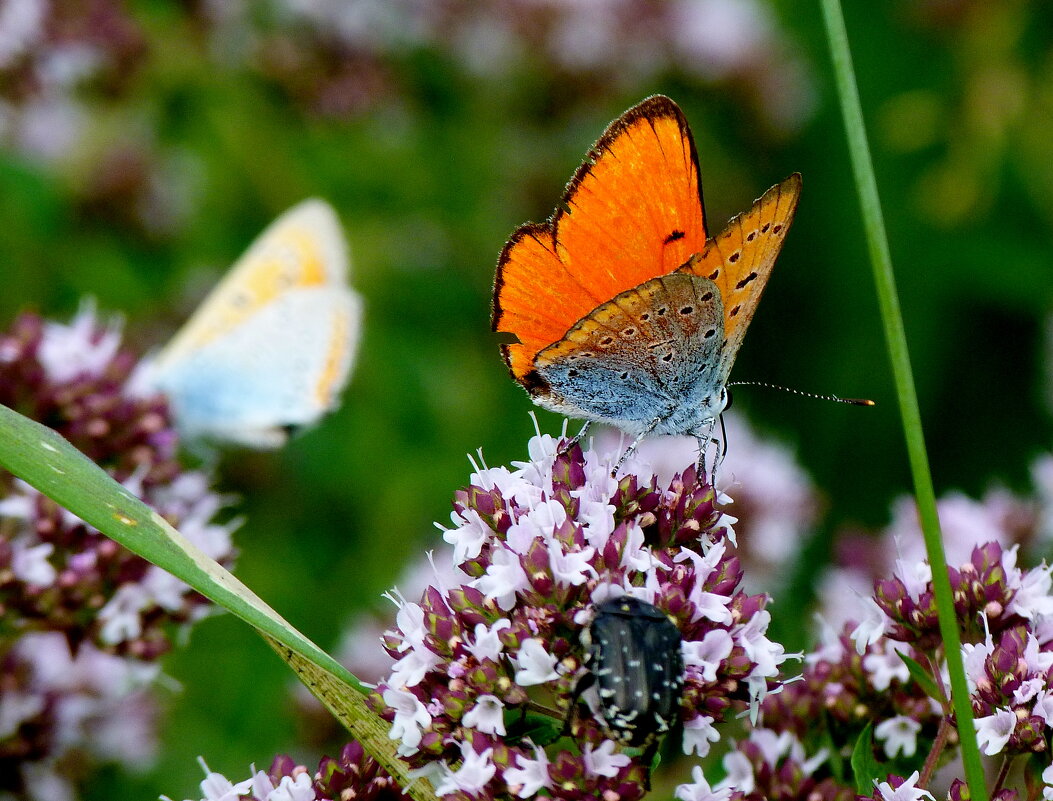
641 355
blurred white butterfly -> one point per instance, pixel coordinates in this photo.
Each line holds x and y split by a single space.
271 348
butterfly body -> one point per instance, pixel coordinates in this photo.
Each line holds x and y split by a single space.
624 310
271 347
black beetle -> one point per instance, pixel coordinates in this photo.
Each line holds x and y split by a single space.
632 653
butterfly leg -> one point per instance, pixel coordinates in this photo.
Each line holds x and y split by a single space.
705 440
575 439
632 448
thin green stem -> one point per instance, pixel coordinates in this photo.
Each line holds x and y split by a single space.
881 262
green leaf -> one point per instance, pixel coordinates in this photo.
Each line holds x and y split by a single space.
865 767
540 729
351 710
923 679
47 462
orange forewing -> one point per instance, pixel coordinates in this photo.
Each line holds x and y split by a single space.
740 259
632 211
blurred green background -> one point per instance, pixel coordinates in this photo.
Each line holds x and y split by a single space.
144 145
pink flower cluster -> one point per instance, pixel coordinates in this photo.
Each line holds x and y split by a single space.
487 667
84 620
56 572
352 775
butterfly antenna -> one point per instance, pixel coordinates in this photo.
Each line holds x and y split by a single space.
803 394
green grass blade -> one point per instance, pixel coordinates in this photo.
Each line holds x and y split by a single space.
43 459
881 262
351 710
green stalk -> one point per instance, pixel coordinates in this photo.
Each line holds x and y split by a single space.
881 262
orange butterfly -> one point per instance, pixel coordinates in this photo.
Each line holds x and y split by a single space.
625 312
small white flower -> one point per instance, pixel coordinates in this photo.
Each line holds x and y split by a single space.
262 786
410 719
597 518
411 669
67 351
1044 706
699 732
474 774
603 761
707 653
775 745
289 789
1037 660
1027 690
487 715
873 626
409 619
1032 598
898 735
994 731
530 776
766 653
708 604
487 643
884 666
974 655
30 563
468 538
541 521
636 555
536 665
739 773
1047 780
571 568
699 789
503 578
905 792
916 576
120 616
217 787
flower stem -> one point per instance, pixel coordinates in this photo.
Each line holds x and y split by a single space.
1003 772
934 753
937 676
881 262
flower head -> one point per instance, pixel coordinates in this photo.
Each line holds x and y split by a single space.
53 567
83 619
542 546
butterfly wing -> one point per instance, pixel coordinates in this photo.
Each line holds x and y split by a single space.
632 211
271 374
649 354
740 259
272 346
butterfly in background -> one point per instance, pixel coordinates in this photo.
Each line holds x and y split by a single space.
624 310
271 348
